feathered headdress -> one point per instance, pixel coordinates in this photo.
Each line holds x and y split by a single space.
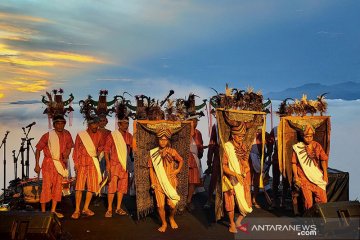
303 107
186 108
103 107
239 99
123 111
87 109
56 106
151 109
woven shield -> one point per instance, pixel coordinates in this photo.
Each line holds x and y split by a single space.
287 137
145 140
253 120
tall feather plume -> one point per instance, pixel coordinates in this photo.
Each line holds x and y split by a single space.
303 106
86 108
180 109
170 110
321 104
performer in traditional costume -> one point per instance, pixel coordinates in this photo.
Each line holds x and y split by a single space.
103 121
237 174
56 146
255 159
302 161
309 166
273 152
88 146
213 163
163 176
255 166
117 151
195 169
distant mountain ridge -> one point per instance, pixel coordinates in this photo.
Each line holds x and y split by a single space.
346 91
25 102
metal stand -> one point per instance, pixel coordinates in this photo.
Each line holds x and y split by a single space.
27 163
21 153
4 144
15 164
24 163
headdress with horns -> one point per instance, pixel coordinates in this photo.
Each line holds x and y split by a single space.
58 118
93 118
56 106
161 132
164 128
236 127
88 111
239 130
195 115
309 130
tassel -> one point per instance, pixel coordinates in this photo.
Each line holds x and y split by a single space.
261 182
69 169
49 122
271 116
70 116
209 119
116 113
207 114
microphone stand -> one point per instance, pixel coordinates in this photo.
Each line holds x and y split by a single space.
21 153
15 164
24 175
4 143
27 163
28 145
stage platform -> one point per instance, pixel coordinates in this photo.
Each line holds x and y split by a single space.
199 224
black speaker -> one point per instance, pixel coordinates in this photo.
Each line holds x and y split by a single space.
337 188
335 218
29 225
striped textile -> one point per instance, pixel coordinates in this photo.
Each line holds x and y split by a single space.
87 175
51 183
118 184
194 173
52 180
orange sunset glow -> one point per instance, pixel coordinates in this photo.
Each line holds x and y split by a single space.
25 70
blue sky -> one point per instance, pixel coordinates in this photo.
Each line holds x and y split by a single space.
151 46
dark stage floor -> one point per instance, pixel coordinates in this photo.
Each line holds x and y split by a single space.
199 224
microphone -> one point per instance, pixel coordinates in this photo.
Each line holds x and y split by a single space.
30 125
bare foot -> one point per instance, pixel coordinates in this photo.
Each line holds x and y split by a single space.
232 228
238 221
255 204
173 224
162 228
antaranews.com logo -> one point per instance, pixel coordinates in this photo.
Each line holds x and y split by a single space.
298 228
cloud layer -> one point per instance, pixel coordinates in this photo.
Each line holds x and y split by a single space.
204 42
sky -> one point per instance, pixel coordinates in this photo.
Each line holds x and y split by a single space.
148 47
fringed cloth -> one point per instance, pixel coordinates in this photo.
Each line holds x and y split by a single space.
54 147
144 141
287 137
253 121
91 150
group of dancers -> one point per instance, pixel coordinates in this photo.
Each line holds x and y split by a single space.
231 166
